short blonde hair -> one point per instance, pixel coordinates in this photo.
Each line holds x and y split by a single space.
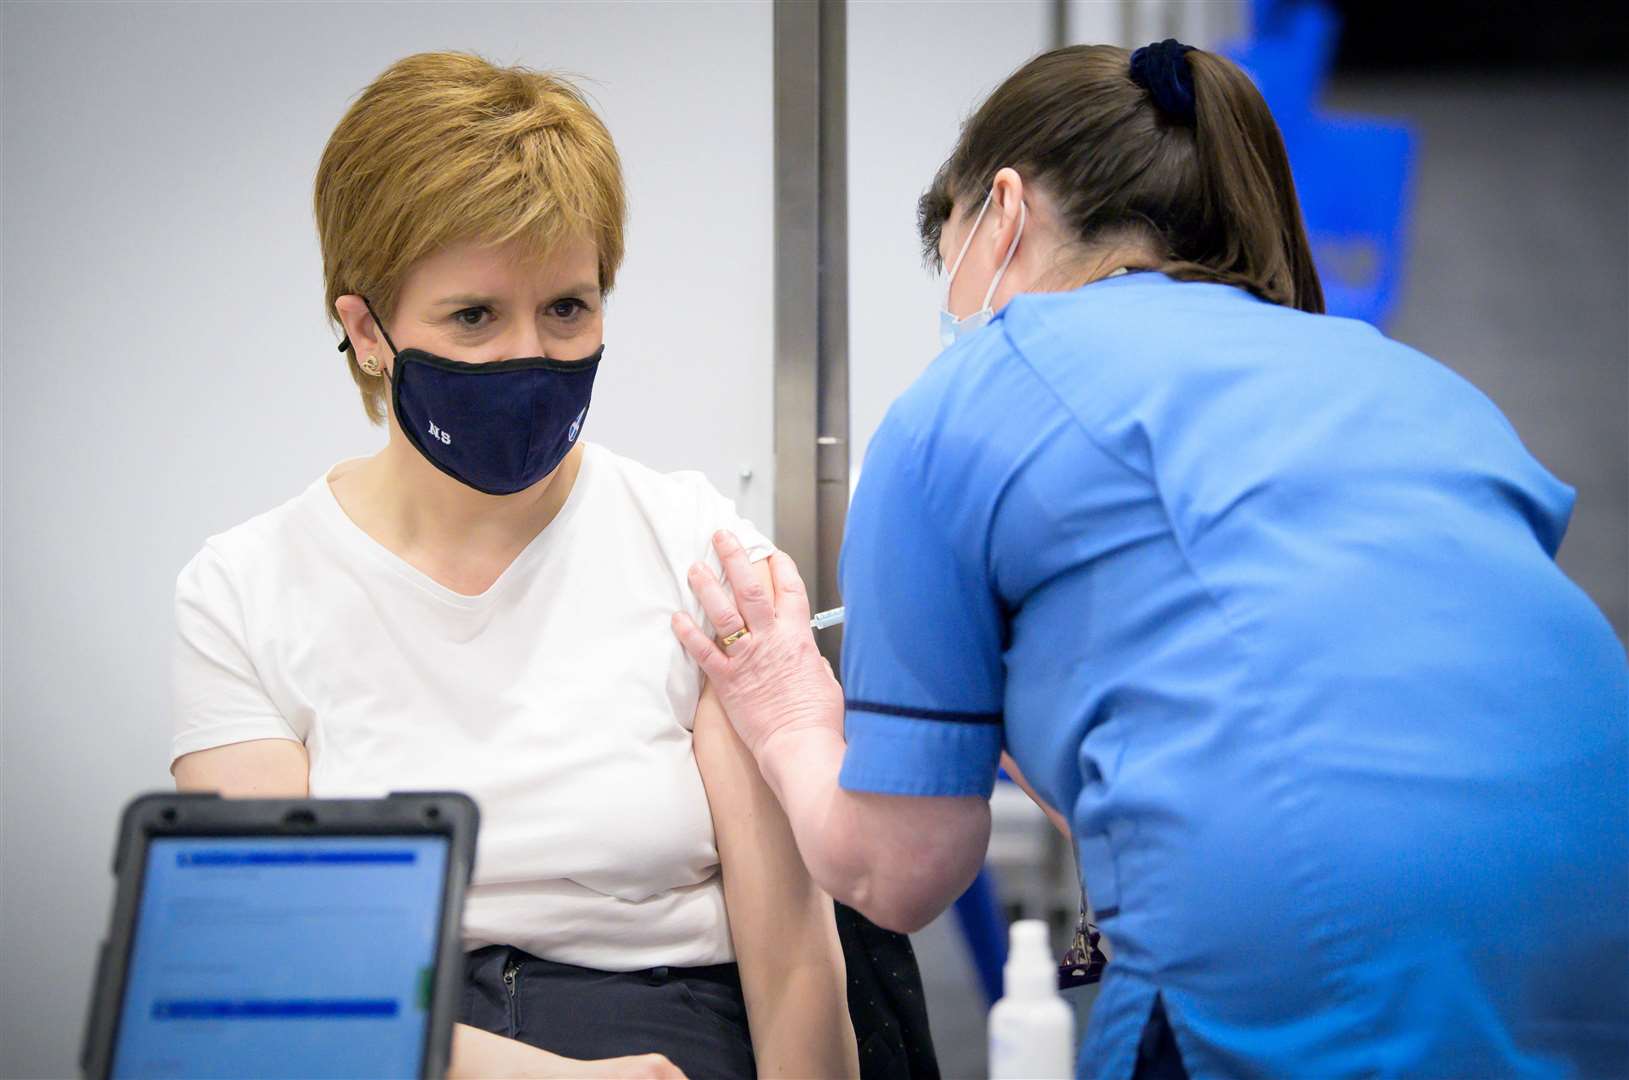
446 148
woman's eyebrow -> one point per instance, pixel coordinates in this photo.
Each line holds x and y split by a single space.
481 299
467 300
580 289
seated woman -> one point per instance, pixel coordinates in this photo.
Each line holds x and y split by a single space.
484 605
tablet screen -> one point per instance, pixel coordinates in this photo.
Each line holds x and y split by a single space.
282 956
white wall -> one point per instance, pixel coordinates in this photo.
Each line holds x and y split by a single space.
1205 23
168 371
915 72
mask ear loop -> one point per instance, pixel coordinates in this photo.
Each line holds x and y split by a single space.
394 351
957 265
345 342
1012 249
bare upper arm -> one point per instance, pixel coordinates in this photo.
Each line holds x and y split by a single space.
258 769
793 976
765 880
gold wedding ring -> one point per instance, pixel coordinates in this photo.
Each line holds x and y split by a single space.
733 638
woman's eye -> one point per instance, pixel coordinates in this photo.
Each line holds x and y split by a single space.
565 309
470 317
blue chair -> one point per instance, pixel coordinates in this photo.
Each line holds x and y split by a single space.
1353 177
1289 56
978 913
984 925
1351 173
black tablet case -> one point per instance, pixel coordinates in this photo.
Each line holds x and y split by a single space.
441 813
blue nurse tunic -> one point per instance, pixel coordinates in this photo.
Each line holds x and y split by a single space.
1267 605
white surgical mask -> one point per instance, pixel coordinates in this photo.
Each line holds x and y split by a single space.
950 327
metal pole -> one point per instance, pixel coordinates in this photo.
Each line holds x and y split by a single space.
811 293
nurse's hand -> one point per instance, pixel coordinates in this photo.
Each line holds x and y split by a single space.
772 681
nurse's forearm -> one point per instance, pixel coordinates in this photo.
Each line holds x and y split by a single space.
899 860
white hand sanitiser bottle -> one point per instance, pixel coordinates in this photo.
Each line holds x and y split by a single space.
1032 1029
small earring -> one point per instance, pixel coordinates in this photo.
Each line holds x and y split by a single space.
370 365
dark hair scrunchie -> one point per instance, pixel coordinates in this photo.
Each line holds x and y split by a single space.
1162 69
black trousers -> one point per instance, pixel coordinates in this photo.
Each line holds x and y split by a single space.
1157 1055
697 1016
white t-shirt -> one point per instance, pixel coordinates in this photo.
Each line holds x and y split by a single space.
559 699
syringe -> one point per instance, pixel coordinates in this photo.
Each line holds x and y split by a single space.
826 618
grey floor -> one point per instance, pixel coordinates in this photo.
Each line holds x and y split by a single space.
1517 278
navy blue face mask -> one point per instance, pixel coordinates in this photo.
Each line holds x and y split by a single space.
498 427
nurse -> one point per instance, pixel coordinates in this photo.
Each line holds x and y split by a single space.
1264 602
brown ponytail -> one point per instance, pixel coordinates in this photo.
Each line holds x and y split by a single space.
1212 195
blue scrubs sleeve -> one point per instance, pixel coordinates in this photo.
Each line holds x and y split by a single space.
922 648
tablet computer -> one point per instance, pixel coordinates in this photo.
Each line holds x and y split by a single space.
283 937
